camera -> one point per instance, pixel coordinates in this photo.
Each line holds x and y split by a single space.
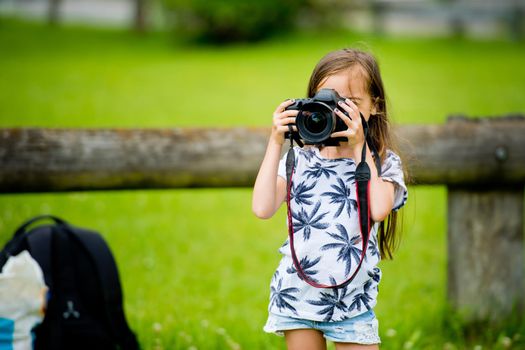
317 120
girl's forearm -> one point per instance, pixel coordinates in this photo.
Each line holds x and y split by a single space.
381 192
264 198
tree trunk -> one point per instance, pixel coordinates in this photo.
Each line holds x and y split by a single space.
139 17
53 11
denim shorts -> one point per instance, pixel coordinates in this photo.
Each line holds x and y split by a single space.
361 329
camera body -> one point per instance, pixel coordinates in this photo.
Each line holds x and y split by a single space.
317 120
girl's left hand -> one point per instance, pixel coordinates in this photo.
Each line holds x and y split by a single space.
352 119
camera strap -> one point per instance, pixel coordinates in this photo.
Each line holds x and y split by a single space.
362 179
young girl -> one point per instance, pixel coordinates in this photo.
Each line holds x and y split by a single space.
324 213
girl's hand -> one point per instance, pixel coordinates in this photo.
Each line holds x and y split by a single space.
281 119
354 133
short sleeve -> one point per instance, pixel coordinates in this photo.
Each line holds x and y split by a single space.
281 170
392 171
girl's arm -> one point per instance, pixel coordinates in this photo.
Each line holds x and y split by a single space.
381 191
269 190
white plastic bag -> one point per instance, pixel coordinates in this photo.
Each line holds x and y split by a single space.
22 301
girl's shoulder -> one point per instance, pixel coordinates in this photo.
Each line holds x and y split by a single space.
390 155
392 167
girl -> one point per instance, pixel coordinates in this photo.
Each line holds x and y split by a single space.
324 213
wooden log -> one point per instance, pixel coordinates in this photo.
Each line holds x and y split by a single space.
35 160
487 151
485 251
483 152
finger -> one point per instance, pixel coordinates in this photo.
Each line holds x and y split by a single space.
348 105
350 108
355 110
283 105
345 134
286 114
357 124
346 119
285 121
285 128
351 104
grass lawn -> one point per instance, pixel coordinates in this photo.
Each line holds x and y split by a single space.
196 264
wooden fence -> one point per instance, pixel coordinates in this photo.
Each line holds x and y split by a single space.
481 161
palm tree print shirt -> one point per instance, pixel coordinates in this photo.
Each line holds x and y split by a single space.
327 239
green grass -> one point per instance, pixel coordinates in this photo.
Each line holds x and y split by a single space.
81 77
196 264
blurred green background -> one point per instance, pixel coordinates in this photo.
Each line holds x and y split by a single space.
196 263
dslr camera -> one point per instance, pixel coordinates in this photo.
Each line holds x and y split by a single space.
317 120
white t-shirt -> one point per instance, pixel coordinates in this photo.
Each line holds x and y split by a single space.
327 239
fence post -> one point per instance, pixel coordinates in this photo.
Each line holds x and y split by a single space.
485 245
485 251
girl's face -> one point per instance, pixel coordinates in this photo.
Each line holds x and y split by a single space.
352 84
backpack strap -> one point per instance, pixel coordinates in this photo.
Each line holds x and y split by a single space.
15 245
10 249
109 279
39 243
24 226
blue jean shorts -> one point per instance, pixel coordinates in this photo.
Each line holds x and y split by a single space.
361 329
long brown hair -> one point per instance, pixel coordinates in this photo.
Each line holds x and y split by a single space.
379 124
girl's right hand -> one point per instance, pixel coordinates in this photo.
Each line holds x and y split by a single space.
281 119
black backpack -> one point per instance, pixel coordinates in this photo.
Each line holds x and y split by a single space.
84 309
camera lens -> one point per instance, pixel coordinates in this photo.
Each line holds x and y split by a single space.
315 122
